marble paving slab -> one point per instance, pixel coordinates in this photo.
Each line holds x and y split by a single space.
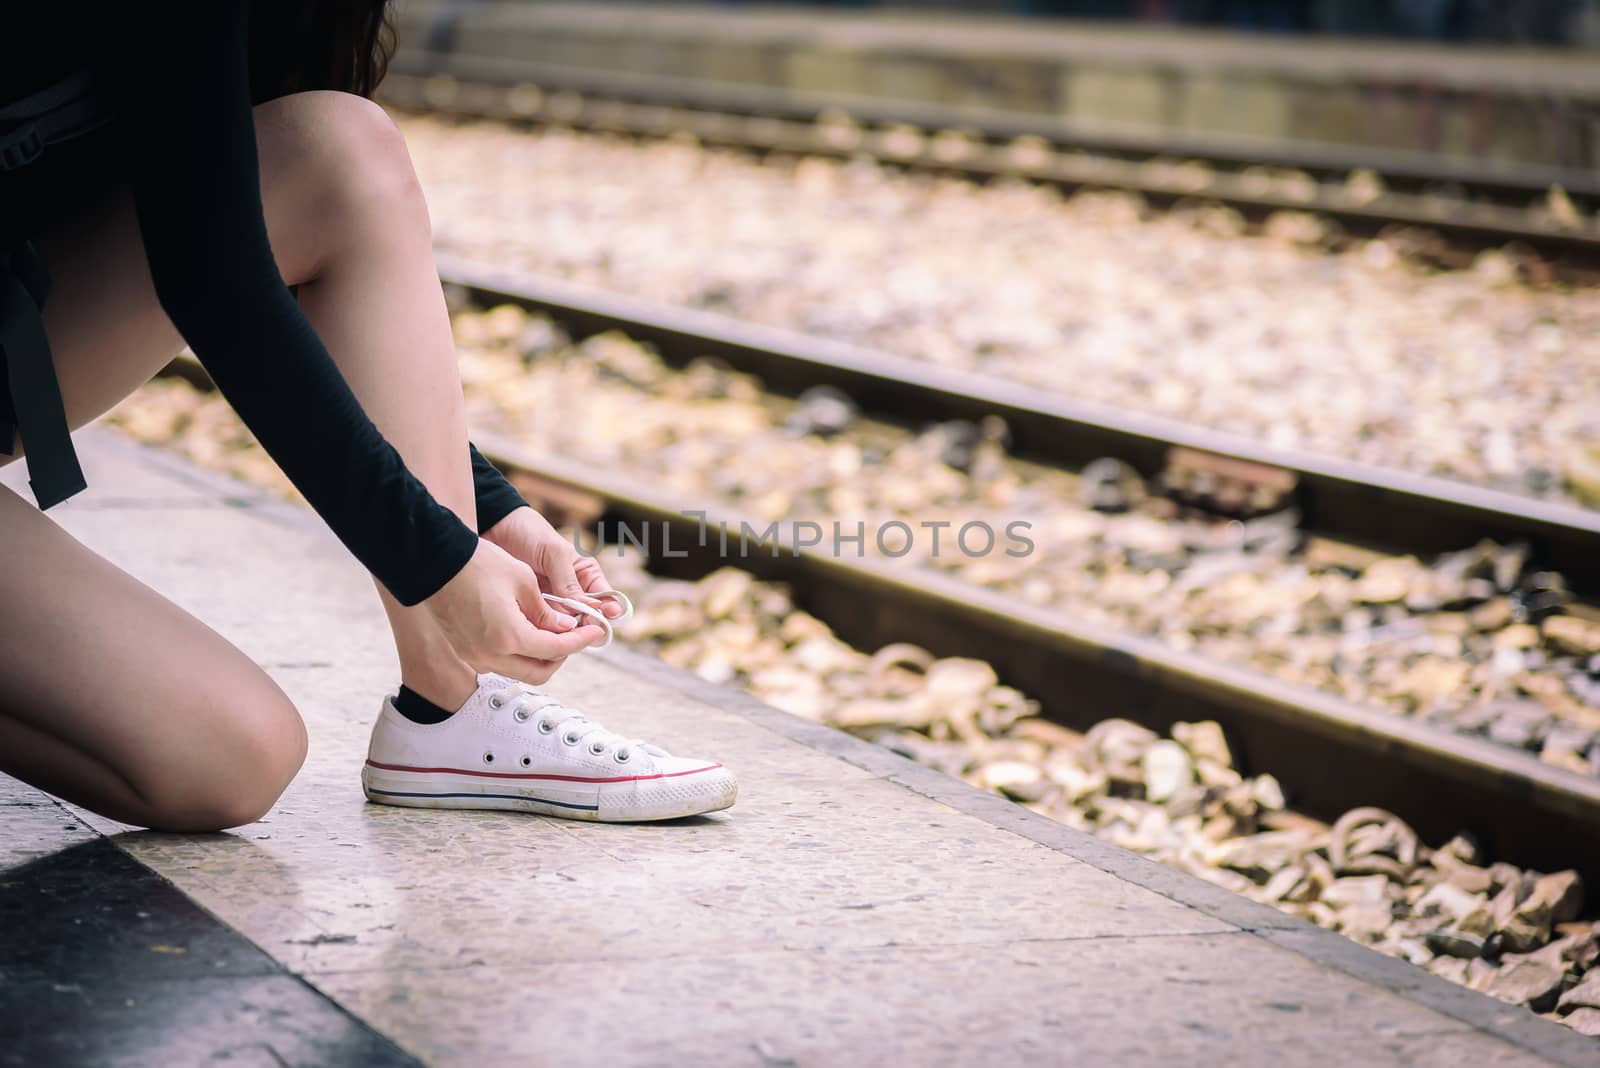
851 907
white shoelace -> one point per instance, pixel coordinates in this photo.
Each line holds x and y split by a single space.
599 617
571 726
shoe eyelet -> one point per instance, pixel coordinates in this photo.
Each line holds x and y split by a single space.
495 702
527 761
546 727
622 756
521 715
570 739
597 749
488 758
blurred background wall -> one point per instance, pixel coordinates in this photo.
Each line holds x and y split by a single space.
1396 84
1550 22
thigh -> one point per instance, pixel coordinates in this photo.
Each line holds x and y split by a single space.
108 334
116 698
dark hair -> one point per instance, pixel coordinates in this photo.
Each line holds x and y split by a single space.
299 45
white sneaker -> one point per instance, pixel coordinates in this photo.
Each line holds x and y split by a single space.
512 747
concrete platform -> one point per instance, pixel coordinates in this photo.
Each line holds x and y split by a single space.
1394 105
852 908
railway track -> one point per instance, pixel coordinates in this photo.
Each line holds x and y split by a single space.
1330 754
1550 214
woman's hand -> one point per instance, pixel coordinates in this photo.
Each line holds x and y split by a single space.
494 617
562 570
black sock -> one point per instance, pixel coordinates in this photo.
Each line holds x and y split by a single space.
419 709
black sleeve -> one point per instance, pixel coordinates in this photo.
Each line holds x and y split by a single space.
497 498
191 136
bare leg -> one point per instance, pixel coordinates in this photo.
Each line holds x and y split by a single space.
113 697
194 736
349 226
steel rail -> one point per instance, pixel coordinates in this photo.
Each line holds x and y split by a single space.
1495 210
1376 507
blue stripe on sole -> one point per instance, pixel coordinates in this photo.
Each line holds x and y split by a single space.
501 797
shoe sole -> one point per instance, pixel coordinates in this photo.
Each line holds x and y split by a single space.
636 800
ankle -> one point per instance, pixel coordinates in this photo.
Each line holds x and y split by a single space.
447 688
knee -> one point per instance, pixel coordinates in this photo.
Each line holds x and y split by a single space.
351 171
241 772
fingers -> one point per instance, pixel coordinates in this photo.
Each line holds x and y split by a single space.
589 574
538 644
546 646
593 581
551 619
560 572
541 613
496 618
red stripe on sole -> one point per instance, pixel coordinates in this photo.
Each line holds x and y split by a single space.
544 778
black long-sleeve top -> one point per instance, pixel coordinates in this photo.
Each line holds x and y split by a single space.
184 140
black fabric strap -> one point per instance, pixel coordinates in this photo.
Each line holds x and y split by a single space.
70 108
68 90
36 405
